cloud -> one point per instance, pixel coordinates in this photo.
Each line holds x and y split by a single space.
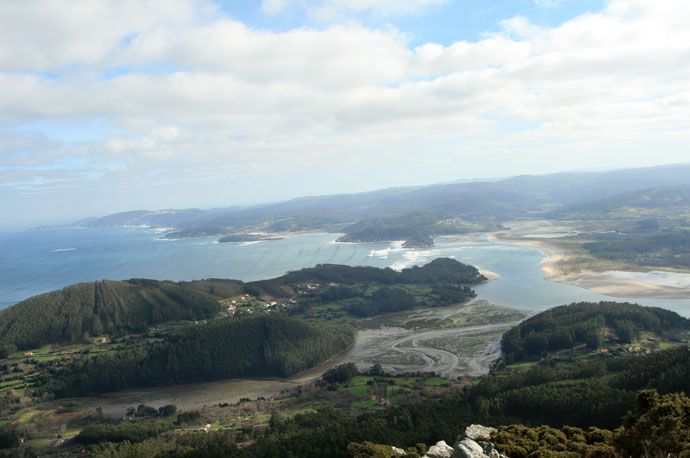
51 34
610 86
274 6
327 10
520 27
547 3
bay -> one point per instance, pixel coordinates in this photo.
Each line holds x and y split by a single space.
35 262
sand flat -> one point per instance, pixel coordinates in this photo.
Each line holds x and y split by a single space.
598 282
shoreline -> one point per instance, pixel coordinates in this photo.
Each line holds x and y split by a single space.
268 236
598 282
490 276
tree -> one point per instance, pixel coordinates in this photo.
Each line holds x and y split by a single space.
341 374
167 410
145 411
593 339
659 427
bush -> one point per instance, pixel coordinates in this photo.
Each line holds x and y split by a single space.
341 374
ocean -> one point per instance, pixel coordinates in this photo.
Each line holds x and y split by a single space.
35 262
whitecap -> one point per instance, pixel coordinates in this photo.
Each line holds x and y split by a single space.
414 257
159 230
383 254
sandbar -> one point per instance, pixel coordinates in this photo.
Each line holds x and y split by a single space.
598 282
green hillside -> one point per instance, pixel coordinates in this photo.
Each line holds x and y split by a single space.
257 346
418 228
589 324
86 310
661 198
94 308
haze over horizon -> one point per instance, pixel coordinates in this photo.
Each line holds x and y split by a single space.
111 105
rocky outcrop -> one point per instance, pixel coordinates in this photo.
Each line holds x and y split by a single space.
473 444
479 432
440 450
467 448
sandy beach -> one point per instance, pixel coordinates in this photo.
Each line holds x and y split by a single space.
599 282
490 276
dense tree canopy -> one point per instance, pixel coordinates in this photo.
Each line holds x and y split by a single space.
582 323
94 308
257 346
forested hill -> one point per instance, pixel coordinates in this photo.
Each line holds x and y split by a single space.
659 199
90 309
417 229
257 346
438 270
96 308
587 323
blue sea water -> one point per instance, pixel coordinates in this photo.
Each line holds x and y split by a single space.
35 262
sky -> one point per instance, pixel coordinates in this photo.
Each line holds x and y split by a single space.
115 105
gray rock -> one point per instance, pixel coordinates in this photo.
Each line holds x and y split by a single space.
440 450
489 449
476 432
467 448
398 451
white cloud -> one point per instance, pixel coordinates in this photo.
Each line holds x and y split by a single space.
327 10
50 34
611 85
520 27
274 6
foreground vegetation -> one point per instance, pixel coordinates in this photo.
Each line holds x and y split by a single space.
658 427
581 394
541 395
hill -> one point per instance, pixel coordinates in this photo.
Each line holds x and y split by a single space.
263 346
587 394
646 250
479 201
90 309
159 218
587 323
666 202
416 229
341 293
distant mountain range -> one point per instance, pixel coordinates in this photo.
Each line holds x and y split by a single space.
670 200
451 206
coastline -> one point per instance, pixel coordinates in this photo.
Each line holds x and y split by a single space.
490 276
591 280
268 236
